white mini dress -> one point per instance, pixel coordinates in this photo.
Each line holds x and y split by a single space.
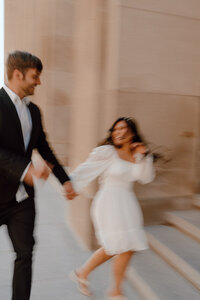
115 210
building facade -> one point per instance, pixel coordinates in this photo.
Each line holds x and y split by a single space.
109 58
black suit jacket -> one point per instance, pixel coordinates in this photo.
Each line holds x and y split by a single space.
13 156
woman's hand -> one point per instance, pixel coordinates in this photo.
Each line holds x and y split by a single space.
138 148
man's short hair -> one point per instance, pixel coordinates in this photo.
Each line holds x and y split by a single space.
22 61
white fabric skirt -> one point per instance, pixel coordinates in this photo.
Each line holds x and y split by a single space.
118 220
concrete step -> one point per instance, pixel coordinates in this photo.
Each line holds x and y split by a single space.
196 201
154 279
187 221
177 249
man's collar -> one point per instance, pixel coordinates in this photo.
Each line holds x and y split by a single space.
14 97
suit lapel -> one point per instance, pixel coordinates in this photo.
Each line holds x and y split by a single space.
13 116
33 119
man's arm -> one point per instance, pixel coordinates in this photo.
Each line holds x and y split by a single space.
12 164
48 155
17 168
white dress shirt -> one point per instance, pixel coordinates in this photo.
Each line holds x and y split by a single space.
26 125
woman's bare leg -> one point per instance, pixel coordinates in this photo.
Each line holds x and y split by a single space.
120 264
97 258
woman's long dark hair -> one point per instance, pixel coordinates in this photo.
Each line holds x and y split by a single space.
137 138
131 125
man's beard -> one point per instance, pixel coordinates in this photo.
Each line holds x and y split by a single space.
29 91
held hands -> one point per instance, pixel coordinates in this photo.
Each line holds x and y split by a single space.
42 171
70 194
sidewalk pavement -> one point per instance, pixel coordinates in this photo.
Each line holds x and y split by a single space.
57 252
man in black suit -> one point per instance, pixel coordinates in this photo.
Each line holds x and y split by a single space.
21 131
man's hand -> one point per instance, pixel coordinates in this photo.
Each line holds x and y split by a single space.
70 194
28 178
41 172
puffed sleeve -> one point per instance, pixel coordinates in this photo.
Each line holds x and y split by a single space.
145 171
98 160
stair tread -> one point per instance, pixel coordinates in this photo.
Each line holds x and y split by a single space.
164 281
196 201
181 244
191 216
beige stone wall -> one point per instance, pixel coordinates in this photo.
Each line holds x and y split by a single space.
159 84
94 101
45 28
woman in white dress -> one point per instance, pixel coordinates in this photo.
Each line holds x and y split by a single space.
120 160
